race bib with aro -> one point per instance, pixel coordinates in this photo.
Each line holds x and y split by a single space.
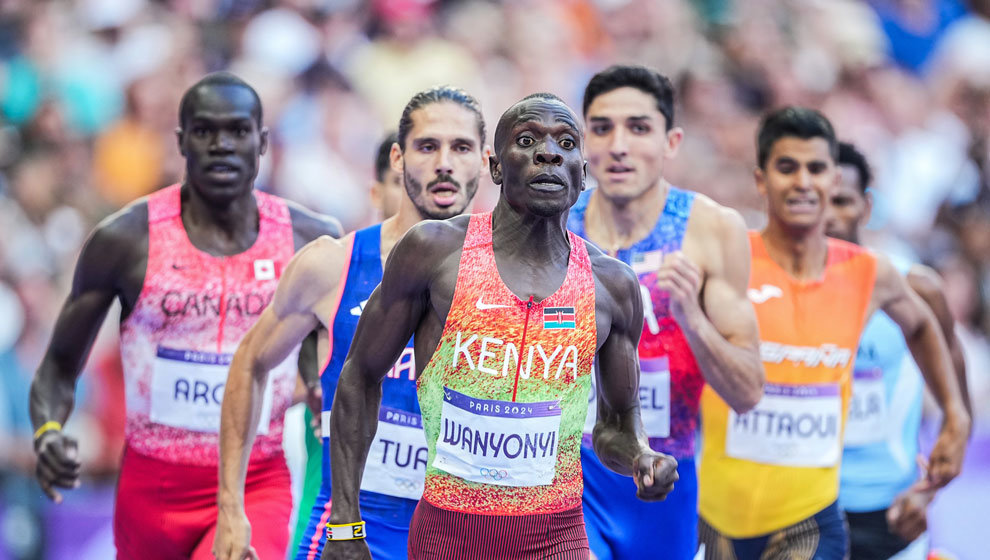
187 389
793 425
396 463
498 442
654 398
867 422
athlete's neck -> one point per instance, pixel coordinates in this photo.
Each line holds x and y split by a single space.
530 239
396 226
614 226
220 230
801 253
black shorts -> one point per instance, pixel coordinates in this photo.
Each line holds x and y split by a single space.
870 536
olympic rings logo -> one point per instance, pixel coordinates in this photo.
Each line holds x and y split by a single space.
494 474
406 483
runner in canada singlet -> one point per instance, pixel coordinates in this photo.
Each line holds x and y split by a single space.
505 395
176 346
669 389
393 474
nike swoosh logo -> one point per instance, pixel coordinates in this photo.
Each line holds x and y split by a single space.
177 267
483 306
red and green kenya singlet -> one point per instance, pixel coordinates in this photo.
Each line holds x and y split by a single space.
505 395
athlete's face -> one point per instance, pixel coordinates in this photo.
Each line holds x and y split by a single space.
222 142
797 180
540 161
848 207
442 160
628 143
387 193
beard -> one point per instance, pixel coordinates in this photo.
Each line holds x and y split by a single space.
429 211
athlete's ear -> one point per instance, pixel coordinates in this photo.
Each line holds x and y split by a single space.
178 139
761 181
868 195
674 137
496 169
584 175
264 141
486 154
395 159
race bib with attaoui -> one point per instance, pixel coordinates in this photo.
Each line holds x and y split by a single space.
396 464
187 389
867 422
793 425
498 442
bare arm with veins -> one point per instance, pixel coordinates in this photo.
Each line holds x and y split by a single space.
619 439
302 301
928 347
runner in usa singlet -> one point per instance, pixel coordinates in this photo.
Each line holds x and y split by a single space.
505 397
669 390
767 473
176 345
393 474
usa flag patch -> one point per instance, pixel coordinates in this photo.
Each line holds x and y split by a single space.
558 318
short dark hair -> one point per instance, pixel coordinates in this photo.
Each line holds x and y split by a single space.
437 95
801 122
502 122
217 79
383 159
851 156
645 79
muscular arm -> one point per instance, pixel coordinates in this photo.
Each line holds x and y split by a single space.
927 344
619 439
725 337
100 271
391 316
303 294
926 283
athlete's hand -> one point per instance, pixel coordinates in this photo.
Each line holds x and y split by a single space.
346 550
58 463
681 278
655 475
946 458
233 537
907 517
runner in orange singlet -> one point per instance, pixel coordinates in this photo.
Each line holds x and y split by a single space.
769 478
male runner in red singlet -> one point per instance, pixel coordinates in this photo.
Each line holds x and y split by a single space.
509 310
193 266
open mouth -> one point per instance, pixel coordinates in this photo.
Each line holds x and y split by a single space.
221 170
802 205
444 194
547 182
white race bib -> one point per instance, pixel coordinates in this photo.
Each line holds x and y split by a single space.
793 425
498 442
654 396
187 389
867 422
396 464
654 399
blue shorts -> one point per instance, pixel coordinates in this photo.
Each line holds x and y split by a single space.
386 521
823 536
620 525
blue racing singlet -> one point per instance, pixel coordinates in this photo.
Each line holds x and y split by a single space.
394 472
669 392
878 461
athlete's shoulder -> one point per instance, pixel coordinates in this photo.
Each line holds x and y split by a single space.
309 225
440 236
122 230
925 280
715 219
613 274
840 251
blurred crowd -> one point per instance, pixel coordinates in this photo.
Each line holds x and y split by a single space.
89 91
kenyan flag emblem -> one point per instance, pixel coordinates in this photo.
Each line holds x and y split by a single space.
558 318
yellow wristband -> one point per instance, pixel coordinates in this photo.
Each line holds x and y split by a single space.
345 531
46 427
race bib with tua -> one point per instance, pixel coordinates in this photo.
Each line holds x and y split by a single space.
793 425
498 442
867 422
187 389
